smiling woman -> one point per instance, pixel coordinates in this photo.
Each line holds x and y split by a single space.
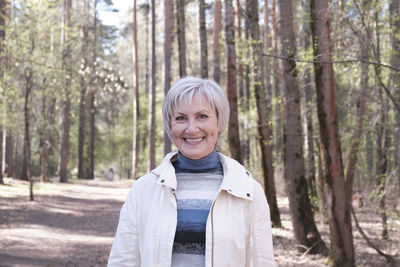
198 208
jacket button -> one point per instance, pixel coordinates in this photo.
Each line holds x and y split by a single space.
162 181
248 194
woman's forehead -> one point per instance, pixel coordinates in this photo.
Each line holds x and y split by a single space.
193 100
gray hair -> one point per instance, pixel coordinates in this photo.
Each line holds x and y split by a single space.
185 89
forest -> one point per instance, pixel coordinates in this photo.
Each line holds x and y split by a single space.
314 89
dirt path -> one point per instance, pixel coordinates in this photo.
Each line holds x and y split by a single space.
66 225
74 225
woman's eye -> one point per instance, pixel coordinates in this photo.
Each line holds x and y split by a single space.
203 116
180 118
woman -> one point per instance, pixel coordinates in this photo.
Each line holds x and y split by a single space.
198 207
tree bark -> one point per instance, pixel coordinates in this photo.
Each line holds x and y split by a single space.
66 102
382 138
26 160
82 134
216 36
168 39
342 248
305 230
267 49
152 95
203 40
360 105
233 126
277 90
180 18
262 110
309 100
135 100
3 16
147 53
243 100
394 8
9 155
92 97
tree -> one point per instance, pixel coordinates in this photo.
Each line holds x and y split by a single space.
305 230
216 36
92 96
180 22
309 99
277 90
203 40
152 93
3 16
66 101
341 235
135 100
394 8
233 126
168 39
262 111
82 130
381 135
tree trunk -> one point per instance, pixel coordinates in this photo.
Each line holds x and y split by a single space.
394 8
262 111
239 47
9 155
82 101
320 184
382 138
147 53
66 102
3 16
305 230
243 100
309 100
203 40
381 160
92 97
277 90
364 86
168 37
342 249
152 95
216 36
135 100
233 126
180 18
267 49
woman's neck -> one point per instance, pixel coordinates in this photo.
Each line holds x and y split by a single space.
209 162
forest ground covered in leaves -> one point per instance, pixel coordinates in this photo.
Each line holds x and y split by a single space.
74 224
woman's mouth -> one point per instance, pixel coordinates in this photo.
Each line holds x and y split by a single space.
194 140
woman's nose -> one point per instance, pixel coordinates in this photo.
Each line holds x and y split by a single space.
192 127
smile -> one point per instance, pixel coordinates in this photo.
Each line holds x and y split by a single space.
194 140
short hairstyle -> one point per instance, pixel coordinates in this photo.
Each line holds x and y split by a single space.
185 88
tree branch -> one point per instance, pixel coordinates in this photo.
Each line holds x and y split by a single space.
389 258
375 64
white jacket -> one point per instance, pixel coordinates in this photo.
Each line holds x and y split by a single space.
238 229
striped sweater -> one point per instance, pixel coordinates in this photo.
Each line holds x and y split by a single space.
198 181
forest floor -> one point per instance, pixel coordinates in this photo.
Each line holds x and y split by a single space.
74 225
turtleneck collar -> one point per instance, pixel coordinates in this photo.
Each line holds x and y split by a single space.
209 162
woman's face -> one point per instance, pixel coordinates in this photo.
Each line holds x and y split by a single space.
194 127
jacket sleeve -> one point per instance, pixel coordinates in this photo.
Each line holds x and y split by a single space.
261 239
125 249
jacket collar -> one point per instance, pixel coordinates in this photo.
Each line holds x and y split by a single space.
237 180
